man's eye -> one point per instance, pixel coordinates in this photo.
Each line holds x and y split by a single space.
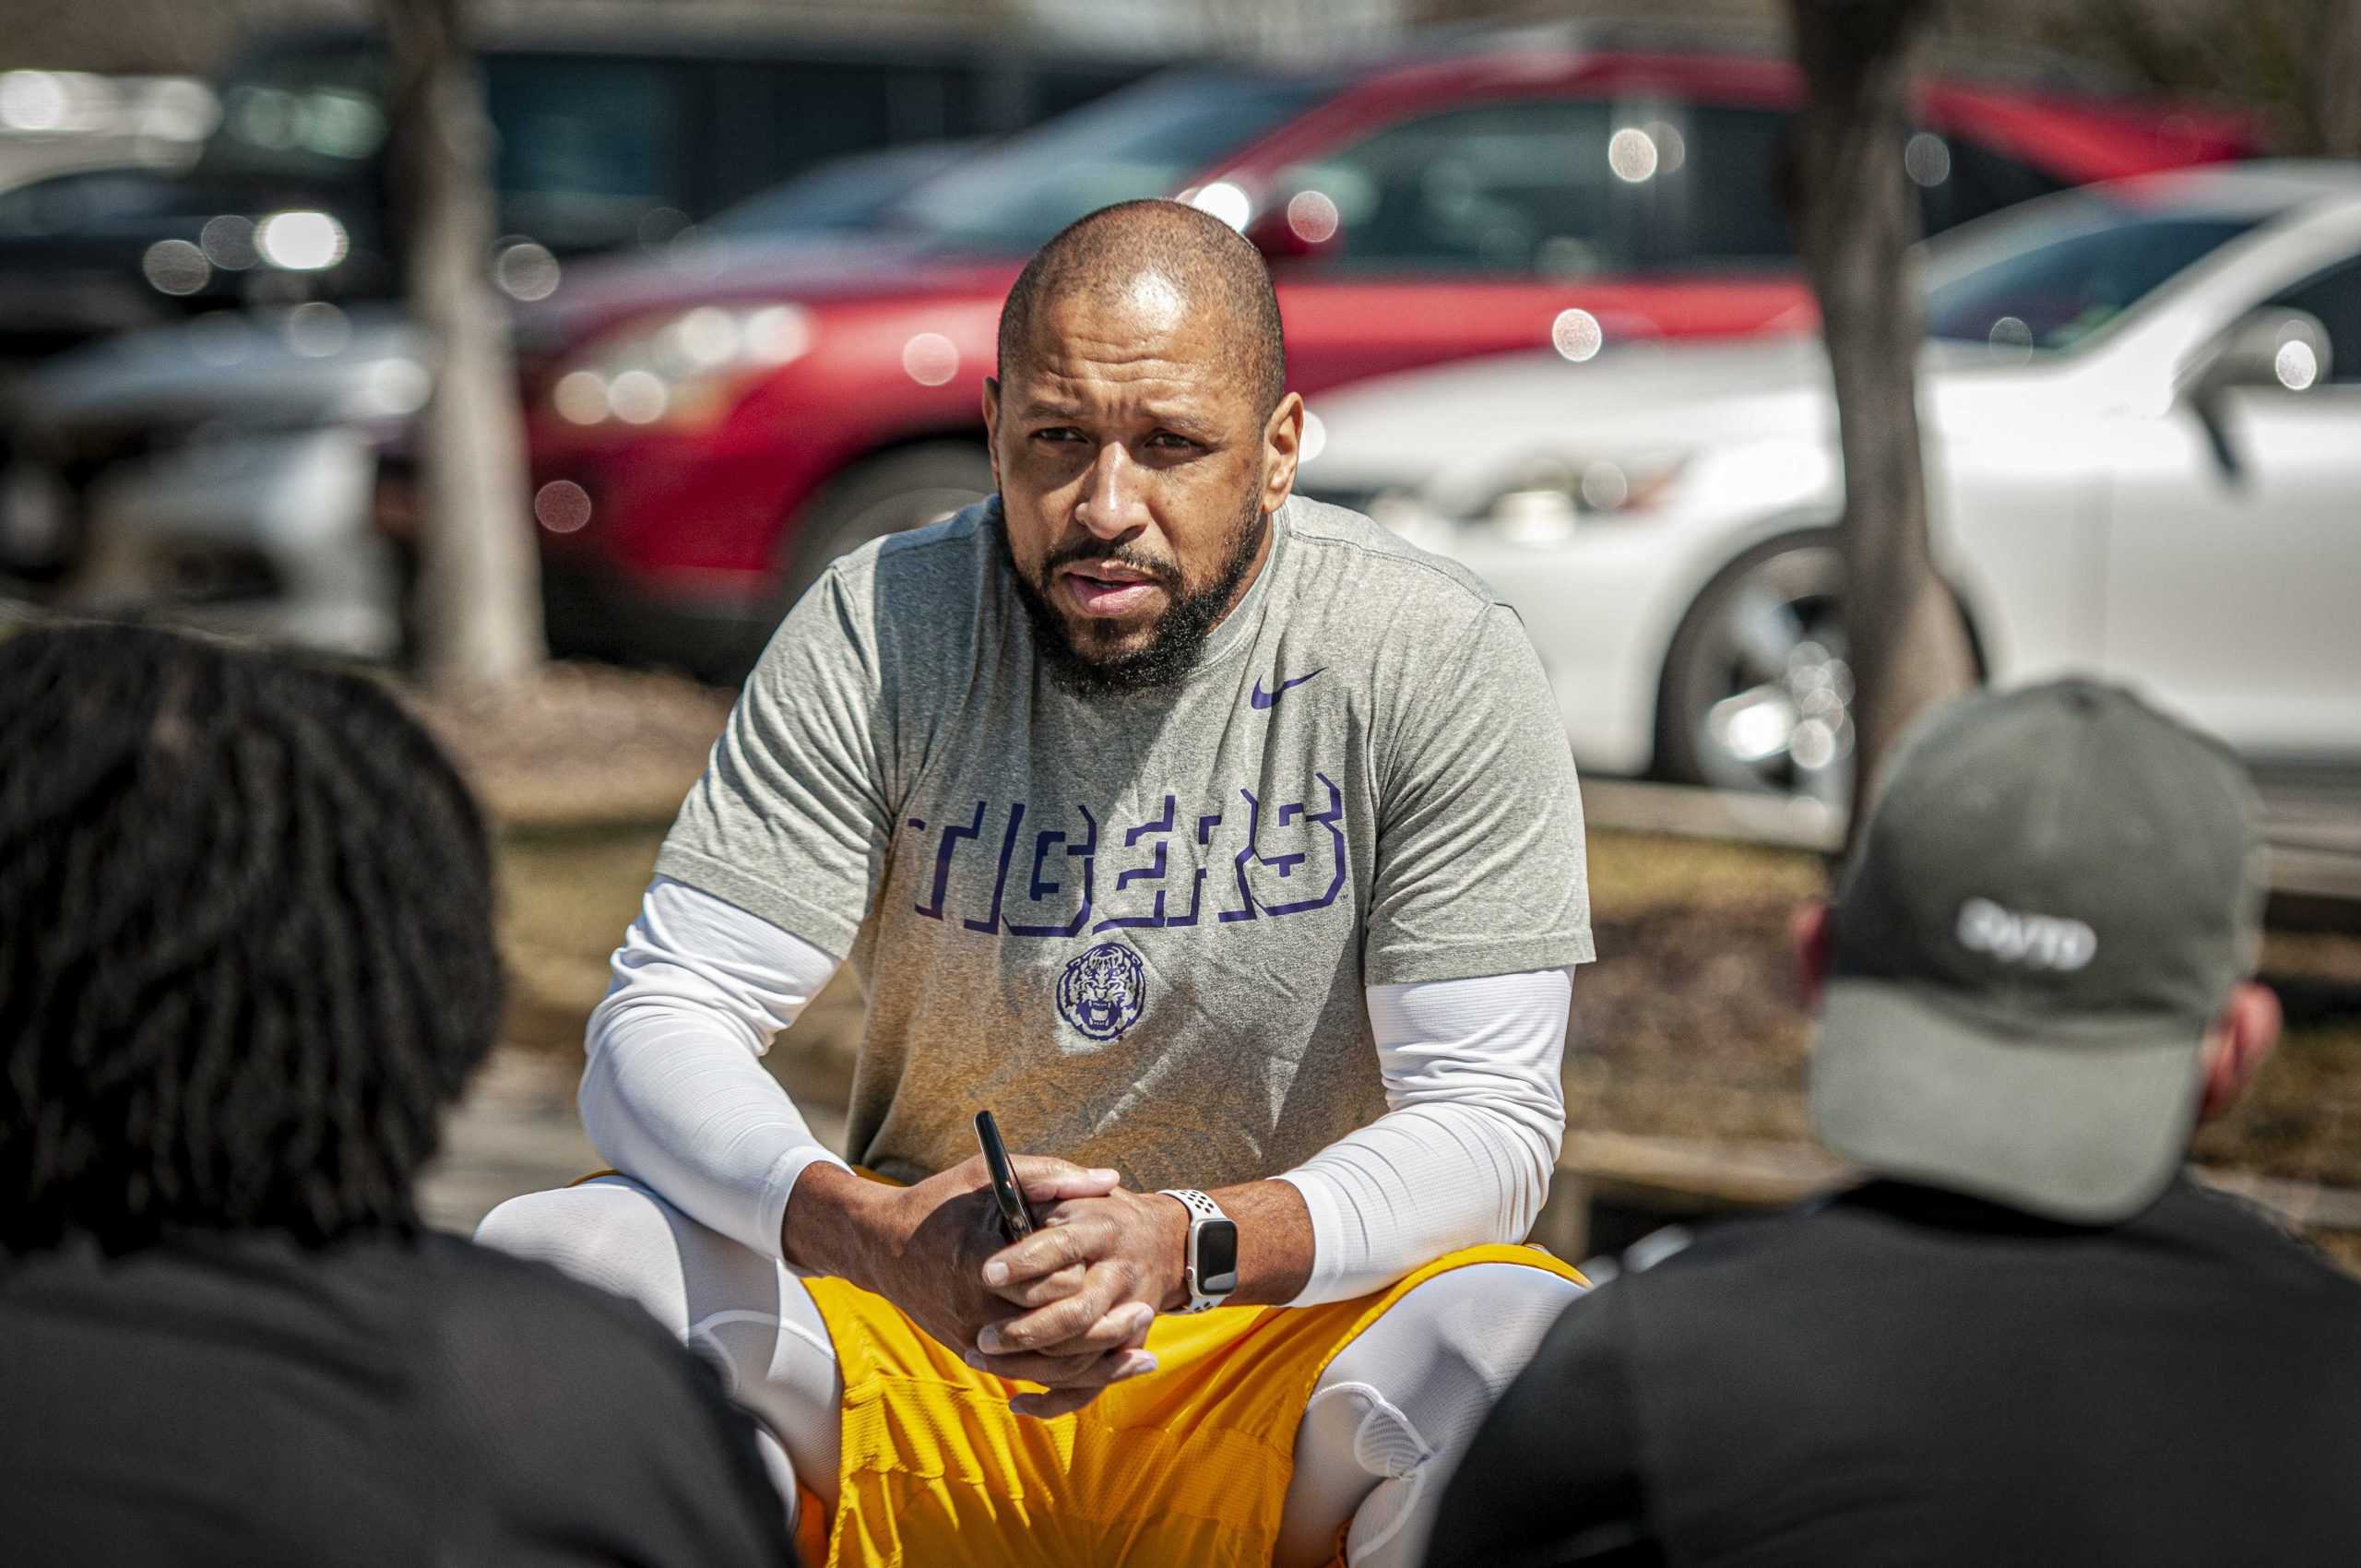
1058 433
1168 442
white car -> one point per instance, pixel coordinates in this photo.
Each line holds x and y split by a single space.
2142 407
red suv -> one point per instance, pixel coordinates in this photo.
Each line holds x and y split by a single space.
705 437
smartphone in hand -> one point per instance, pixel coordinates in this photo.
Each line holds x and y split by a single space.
1016 1220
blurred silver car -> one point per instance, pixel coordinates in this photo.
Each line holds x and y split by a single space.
2141 408
220 474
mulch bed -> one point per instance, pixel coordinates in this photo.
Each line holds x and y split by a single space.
578 744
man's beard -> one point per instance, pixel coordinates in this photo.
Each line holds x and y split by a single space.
1178 641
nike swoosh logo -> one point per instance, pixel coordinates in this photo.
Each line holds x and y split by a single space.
1264 699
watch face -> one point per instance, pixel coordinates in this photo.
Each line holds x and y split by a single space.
1217 1257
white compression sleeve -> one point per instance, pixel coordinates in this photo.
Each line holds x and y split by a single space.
673 1093
1463 1155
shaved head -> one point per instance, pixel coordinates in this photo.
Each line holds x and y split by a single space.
1142 435
1168 257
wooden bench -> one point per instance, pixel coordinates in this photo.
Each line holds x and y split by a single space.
1610 1185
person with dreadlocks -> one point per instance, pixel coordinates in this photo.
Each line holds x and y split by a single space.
245 959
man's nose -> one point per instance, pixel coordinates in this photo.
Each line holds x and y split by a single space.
1111 503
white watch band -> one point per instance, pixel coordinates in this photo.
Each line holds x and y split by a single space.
1202 1210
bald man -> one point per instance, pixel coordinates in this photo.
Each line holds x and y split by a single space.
1224 845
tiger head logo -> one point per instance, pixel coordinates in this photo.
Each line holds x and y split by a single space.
1101 992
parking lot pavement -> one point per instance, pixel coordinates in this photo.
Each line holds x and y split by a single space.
514 1132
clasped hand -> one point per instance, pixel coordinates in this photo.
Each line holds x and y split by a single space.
1086 1285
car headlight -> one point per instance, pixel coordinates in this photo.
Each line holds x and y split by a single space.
1546 501
681 370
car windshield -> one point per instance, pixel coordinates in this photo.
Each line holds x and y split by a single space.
2068 268
845 193
312 113
1140 142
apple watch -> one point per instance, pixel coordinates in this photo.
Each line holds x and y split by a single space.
1212 1272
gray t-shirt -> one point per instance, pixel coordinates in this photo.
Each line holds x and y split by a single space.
1139 928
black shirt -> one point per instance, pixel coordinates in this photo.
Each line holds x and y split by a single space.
1898 1376
237 1399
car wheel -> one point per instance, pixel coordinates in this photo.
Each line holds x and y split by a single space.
902 490
1757 694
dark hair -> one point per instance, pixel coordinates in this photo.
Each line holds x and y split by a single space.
1101 250
246 942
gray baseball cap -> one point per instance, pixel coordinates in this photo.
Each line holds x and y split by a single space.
2055 893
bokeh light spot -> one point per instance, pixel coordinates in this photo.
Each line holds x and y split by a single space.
1813 744
1927 159
32 101
318 329
398 388
777 334
1605 486
227 242
525 270
1226 202
2296 366
1631 153
580 396
303 240
1672 148
1576 334
561 507
707 336
638 397
1313 216
930 359
175 266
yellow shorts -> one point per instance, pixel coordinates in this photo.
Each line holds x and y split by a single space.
1185 1468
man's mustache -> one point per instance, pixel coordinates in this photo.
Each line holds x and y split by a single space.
1163 572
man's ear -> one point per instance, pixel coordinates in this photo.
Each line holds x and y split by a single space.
2241 1042
1282 447
991 425
1811 931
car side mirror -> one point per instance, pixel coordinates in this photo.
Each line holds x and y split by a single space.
2274 347
1302 227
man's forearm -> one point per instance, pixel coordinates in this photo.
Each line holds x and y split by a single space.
827 1227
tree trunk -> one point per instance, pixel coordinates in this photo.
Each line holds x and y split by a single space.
2337 64
478 609
1857 215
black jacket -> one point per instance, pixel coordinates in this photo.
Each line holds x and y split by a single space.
1899 1377
238 1399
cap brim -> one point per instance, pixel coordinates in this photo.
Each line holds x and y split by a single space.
2088 1127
